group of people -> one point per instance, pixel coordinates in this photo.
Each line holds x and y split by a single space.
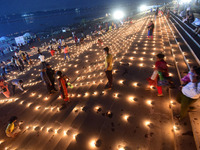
190 86
189 18
20 59
189 91
8 89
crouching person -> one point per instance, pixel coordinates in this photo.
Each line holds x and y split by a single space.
189 94
13 128
18 83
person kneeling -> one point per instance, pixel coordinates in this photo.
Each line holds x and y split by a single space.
12 130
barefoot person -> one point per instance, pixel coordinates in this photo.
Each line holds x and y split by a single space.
63 80
160 69
18 83
150 29
108 67
46 80
189 94
12 129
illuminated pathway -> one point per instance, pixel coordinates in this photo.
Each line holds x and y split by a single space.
126 117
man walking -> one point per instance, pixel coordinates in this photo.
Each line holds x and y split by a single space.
42 59
51 74
108 67
46 80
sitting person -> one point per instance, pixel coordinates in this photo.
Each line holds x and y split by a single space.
191 18
189 94
184 20
12 130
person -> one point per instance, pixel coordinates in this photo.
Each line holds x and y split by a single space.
100 42
150 29
12 130
168 13
13 62
2 52
21 63
16 54
59 49
189 94
63 80
17 63
38 50
197 30
4 88
76 39
52 52
82 40
66 52
42 60
160 68
24 58
73 33
191 18
188 78
156 13
28 58
18 83
108 67
46 80
51 74
3 64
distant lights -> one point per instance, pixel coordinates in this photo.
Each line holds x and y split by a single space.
118 14
143 8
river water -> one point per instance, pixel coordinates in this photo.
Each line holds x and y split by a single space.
40 21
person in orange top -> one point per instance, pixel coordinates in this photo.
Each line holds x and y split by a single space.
66 52
52 52
63 80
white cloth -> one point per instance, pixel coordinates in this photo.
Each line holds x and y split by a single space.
41 57
154 75
191 90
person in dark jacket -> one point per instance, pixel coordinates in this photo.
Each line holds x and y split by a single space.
51 74
46 80
21 63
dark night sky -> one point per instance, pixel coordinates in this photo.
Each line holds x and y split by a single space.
22 6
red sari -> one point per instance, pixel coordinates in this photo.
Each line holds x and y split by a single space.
63 87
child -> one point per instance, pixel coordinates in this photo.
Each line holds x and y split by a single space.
188 78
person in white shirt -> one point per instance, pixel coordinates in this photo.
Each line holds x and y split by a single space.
42 59
18 83
189 94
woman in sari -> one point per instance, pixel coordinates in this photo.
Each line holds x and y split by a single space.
63 80
4 88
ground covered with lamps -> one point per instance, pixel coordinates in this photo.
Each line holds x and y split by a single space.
127 117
